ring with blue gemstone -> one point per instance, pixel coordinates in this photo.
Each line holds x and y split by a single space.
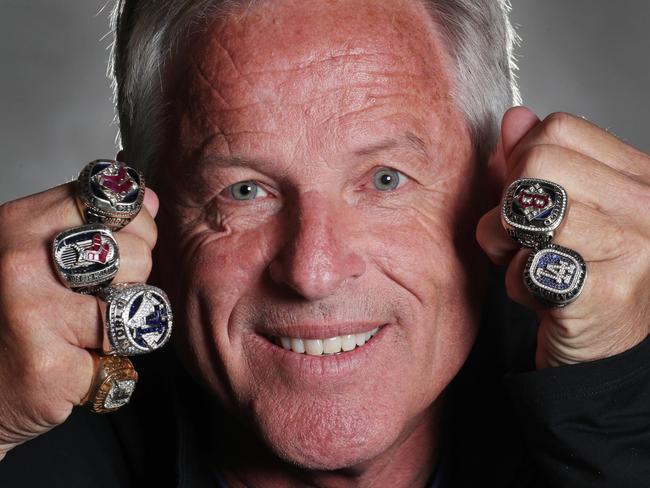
109 193
555 275
532 210
137 317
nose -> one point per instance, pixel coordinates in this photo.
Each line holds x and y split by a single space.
316 258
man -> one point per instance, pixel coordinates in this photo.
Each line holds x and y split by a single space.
321 169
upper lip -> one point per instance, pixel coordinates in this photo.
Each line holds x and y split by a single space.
317 331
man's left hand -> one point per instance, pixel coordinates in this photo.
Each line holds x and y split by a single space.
607 222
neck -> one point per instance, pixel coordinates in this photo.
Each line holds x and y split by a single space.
245 461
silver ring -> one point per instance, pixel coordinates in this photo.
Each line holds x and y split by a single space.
86 258
110 193
138 318
532 210
555 275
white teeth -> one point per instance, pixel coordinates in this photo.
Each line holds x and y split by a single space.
314 347
297 345
333 345
348 342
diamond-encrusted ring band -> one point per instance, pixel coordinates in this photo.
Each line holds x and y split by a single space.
114 382
532 210
555 275
86 258
110 193
137 318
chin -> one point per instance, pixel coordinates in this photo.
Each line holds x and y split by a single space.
329 437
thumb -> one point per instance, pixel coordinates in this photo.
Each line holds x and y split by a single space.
516 123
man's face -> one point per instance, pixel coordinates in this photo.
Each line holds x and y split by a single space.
337 116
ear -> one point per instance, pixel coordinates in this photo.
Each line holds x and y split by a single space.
120 156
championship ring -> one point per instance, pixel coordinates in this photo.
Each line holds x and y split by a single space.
555 275
113 385
110 193
86 258
532 210
138 318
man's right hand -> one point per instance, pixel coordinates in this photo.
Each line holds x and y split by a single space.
46 329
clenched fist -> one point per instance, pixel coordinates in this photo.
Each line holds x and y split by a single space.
46 330
607 222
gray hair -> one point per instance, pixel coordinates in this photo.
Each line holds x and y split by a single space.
478 34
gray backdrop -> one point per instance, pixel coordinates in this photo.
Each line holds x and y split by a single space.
589 57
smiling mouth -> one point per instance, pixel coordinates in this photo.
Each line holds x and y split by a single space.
324 347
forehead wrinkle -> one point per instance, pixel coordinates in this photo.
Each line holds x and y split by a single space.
407 140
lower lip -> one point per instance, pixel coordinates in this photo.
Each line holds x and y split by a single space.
304 365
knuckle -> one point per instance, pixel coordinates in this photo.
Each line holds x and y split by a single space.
556 125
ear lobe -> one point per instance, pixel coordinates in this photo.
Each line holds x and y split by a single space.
120 156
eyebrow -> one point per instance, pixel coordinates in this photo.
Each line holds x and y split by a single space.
407 139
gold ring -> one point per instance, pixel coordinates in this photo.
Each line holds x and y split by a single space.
114 382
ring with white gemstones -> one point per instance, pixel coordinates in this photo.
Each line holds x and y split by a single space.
86 258
110 193
555 275
113 384
138 318
532 209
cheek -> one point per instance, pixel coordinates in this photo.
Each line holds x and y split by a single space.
417 253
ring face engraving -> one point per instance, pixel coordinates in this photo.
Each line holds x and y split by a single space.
138 318
86 257
532 209
114 182
110 193
555 275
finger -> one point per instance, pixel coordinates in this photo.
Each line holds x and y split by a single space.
605 283
143 225
585 179
596 236
493 238
151 202
46 213
516 124
581 136
514 281
73 317
135 259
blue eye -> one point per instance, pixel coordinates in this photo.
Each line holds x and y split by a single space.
387 179
245 190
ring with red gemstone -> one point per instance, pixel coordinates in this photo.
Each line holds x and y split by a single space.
532 210
86 258
110 193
